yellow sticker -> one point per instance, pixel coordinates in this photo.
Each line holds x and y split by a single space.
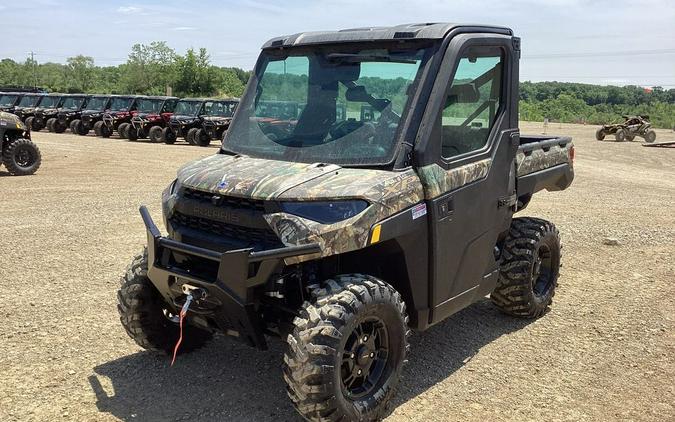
376 234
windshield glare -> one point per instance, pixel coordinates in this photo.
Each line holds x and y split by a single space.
188 108
29 101
73 103
339 106
150 106
120 104
220 109
49 102
8 100
97 103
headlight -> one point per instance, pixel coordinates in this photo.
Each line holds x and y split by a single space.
325 212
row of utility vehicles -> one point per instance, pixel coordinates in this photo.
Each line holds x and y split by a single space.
133 117
341 229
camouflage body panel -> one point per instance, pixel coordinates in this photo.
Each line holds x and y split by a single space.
539 159
387 192
11 121
437 180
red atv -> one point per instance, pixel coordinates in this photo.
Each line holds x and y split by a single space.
122 110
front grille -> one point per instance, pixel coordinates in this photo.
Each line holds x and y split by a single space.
226 201
258 239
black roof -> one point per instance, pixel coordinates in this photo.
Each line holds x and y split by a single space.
421 31
160 97
217 100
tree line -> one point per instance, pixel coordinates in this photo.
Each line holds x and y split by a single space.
156 68
151 69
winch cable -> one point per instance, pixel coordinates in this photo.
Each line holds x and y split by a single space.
183 312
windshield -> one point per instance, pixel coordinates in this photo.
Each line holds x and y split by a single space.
188 108
120 104
73 103
97 103
49 102
150 105
8 100
29 101
220 109
339 106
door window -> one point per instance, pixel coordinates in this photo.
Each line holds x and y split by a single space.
472 104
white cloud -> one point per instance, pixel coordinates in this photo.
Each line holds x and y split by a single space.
130 10
184 28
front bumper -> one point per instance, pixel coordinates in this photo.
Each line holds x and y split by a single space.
229 280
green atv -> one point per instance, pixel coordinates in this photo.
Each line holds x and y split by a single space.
19 154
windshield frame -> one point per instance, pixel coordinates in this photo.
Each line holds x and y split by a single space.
159 101
196 113
36 98
404 128
129 104
82 99
106 103
57 103
14 102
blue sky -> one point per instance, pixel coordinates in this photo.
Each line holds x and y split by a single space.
595 41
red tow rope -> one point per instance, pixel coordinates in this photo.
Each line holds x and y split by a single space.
183 312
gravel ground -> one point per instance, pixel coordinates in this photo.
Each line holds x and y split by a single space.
606 351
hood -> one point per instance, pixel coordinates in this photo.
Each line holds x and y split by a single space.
183 117
11 121
219 119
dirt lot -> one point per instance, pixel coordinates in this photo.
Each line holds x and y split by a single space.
606 351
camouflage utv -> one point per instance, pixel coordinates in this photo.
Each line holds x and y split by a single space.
18 153
627 131
340 234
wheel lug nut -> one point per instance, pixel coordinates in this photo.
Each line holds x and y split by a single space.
359 372
372 354
365 339
351 356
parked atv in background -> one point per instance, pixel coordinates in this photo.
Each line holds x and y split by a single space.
122 109
18 153
70 111
627 131
25 110
186 116
215 121
93 113
9 101
153 116
48 109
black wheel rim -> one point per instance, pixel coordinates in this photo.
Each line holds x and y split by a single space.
364 358
542 272
24 157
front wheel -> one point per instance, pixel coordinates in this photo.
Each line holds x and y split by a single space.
21 157
145 316
620 135
29 122
168 136
50 124
191 134
346 352
202 138
123 130
650 136
530 266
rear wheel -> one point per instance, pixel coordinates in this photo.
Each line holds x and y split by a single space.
168 136
155 134
190 137
202 138
346 352
37 124
650 136
600 134
529 270
123 130
106 132
145 316
29 122
620 135
73 125
50 124
97 128
21 157
59 127
82 129
630 138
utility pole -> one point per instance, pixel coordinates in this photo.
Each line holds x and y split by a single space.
32 61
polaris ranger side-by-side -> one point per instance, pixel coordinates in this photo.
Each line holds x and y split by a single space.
215 121
122 109
96 107
25 110
185 118
70 112
153 116
18 152
340 235
9 101
47 109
